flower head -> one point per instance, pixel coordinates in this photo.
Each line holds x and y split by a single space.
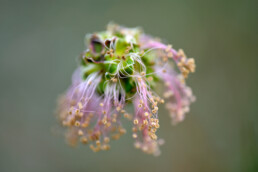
122 66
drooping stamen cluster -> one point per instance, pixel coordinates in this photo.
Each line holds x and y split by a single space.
185 65
122 66
146 121
178 94
92 117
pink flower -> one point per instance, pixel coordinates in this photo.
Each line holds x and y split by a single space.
123 66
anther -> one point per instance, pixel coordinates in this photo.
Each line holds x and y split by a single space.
98 143
80 105
80 132
113 79
118 108
145 122
168 48
84 140
134 135
106 139
77 124
135 121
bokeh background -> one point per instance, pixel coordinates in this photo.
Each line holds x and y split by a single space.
39 44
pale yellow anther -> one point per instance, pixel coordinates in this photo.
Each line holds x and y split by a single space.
106 139
145 149
85 124
104 121
101 104
181 53
134 135
105 147
143 73
84 140
153 130
114 79
154 111
170 54
114 120
70 112
90 82
98 143
168 48
141 101
157 99
126 115
77 123
80 105
137 145
139 105
108 124
122 131
80 132
118 108
145 122
168 94
80 114
146 114
164 59
77 111
135 121
92 147
153 136
141 127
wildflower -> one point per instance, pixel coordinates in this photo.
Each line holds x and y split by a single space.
123 66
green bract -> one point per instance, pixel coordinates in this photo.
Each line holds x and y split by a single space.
116 54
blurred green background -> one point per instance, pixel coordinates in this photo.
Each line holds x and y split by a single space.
39 44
